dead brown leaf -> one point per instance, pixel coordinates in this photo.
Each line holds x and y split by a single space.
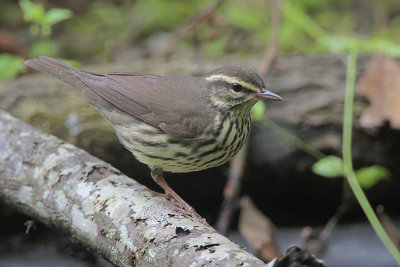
380 84
258 230
9 44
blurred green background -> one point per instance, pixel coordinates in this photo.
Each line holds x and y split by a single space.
96 31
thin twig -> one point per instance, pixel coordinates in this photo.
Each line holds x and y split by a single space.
271 49
188 27
231 190
316 243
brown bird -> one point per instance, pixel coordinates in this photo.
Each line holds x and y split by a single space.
171 123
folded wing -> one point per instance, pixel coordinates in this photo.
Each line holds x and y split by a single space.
170 103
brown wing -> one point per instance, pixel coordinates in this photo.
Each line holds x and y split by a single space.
177 105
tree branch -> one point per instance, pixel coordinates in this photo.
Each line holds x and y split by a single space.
189 25
271 49
93 203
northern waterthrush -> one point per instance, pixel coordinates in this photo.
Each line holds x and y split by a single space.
171 123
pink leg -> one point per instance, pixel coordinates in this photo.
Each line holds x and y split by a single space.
157 176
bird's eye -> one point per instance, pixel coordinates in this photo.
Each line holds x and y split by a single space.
236 87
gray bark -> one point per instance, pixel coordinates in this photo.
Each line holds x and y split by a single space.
93 203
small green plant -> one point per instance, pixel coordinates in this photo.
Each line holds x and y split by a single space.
349 172
41 23
40 27
331 166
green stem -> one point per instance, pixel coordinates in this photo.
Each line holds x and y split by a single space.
347 160
293 139
348 112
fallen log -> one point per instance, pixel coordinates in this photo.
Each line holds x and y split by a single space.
93 203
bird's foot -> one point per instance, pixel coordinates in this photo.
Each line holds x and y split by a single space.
157 194
180 207
184 207
188 210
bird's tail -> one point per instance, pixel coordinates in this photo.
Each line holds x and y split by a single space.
58 70
71 76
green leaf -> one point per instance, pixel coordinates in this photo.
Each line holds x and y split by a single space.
298 16
385 46
10 66
337 43
31 11
330 166
341 43
369 176
258 111
56 15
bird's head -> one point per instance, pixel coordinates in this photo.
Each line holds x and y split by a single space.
234 86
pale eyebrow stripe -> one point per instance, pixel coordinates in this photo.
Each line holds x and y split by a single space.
221 77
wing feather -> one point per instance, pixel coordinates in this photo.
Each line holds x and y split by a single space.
169 103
